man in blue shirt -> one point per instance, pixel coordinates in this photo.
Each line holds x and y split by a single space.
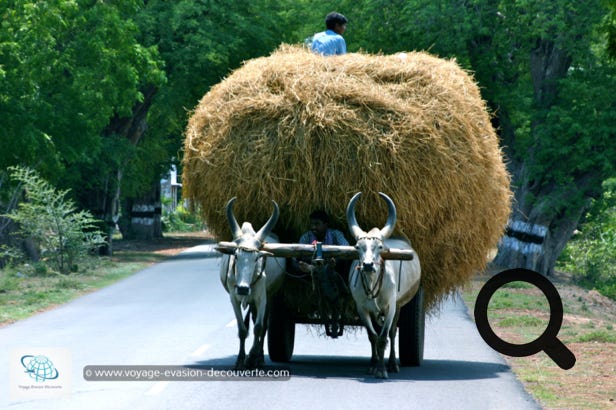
330 42
319 232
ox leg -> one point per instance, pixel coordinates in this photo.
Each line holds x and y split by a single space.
242 328
374 358
381 344
373 337
393 366
381 371
255 357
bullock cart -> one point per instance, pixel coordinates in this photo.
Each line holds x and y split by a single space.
301 302
307 131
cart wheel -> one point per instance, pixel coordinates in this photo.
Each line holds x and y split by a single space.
281 331
412 323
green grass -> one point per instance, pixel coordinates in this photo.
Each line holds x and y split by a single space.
522 321
516 298
601 336
518 285
26 290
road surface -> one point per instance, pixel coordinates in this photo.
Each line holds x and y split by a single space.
176 313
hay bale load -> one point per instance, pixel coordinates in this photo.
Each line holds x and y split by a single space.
310 131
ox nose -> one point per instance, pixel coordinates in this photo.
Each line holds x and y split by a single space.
369 266
242 290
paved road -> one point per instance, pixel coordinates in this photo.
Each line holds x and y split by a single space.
176 313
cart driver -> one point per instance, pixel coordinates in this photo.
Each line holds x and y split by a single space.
319 232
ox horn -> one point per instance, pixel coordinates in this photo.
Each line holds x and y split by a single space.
235 227
269 225
356 231
388 229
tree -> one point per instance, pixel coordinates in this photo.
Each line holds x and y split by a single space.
200 43
543 73
76 88
62 233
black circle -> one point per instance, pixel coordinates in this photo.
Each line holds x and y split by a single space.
515 275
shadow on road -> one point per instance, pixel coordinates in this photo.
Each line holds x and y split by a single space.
355 368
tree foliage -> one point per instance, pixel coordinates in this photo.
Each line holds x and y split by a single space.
544 72
201 42
67 68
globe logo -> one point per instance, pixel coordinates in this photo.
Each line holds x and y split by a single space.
40 368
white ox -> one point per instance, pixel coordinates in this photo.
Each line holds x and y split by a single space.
251 277
380 288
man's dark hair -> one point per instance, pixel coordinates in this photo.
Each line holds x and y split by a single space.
320 215
333 18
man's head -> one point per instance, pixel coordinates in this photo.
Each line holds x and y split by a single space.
319 222
336 22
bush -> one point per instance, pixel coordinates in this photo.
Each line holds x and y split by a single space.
62 233
591 256
180 220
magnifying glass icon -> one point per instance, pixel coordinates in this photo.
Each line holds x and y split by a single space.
548 341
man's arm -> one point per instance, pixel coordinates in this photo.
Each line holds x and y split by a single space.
339 238
299 264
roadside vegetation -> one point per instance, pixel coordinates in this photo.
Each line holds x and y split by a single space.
519 313
29 288
179 219
52 256
58 233
591 254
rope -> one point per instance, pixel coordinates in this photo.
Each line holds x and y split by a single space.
373 293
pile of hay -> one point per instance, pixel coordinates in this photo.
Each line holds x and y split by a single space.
310 131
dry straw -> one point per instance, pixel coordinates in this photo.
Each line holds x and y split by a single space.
310 131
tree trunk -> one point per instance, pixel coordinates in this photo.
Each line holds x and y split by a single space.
540 228
104 201
144 219
543 219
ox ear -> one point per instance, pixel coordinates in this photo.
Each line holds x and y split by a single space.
235 227
269 225
227 248
265 253
356 231
388 229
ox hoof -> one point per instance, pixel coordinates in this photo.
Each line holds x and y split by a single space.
239 364
393 367
373 367
381 374
255 362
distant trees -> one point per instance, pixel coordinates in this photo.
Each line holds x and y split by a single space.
95 95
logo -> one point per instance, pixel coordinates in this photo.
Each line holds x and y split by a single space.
39 373
39 368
